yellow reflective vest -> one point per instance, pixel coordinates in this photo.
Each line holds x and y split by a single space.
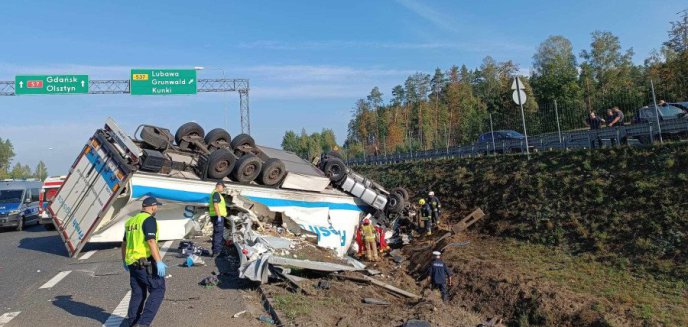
222 205
137 247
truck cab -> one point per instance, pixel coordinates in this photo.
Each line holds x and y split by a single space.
19 203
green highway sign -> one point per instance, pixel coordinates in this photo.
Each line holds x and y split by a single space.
50 84
163 81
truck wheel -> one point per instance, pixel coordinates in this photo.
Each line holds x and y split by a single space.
220 163
396 203
335 169
247 168
155 138
402 192
272 173
20 226
188 129
243 140
217 138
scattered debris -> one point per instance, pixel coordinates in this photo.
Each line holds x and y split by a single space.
193 260
370 300
238 314
366 279
266 319
373 272
493 322
210 281
468 221
457 244
323 284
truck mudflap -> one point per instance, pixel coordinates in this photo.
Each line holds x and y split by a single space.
99 174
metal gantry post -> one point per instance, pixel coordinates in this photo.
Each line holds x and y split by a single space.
245 113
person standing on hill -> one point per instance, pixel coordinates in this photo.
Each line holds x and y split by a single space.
425 217
593 121
440 275
615 117
435 205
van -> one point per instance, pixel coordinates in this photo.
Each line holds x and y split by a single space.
19 203
50 187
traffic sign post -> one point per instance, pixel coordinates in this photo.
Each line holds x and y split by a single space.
519 97
163 81
50 84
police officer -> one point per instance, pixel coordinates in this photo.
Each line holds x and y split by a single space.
141 258
440 275
436 206
217 209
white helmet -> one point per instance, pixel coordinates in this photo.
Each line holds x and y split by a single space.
431 193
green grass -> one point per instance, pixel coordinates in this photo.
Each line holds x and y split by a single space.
650 299
293 305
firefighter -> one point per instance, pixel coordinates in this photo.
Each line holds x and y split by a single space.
440 275
436 206
369 235
425 215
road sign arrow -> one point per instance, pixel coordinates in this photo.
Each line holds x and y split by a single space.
82 83
21 85
517 84
191 81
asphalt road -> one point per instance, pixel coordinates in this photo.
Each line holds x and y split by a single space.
42 286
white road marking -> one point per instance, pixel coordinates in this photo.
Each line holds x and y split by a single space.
7 317
120 312
88 255
56 279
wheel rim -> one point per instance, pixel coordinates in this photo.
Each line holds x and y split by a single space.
250 170
221 166
274 173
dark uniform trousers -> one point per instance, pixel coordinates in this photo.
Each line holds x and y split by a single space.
218 233
147 293
443 290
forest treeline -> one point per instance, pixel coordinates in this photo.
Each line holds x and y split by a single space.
452 107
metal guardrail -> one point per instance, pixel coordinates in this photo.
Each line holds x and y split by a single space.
632 135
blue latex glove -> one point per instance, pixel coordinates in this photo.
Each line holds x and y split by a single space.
162 269
126 268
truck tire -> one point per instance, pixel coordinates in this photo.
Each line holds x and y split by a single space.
155 138
395 203
335 169
217 138
272 173
401 191
243 140
247 169
220 163
188 129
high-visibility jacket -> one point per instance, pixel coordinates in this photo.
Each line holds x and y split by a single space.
137 247
222 205
368 232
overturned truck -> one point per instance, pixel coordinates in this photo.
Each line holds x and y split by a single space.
283 210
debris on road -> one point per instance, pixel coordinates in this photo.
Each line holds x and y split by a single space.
370 300
238 314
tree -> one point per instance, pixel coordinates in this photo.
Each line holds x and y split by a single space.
290 142
555 73
41 171
6 155
20 171
678 35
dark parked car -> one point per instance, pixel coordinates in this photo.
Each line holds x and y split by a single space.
505 141
666 112
682 105
501 136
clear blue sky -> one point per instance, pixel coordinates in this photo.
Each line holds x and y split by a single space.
308 61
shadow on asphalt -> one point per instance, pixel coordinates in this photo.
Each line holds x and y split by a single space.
80 309
228 268
48 244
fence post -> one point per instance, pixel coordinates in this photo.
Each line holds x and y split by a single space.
556 113
494 152
654 99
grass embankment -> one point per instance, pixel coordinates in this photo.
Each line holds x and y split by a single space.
607 224
624 206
